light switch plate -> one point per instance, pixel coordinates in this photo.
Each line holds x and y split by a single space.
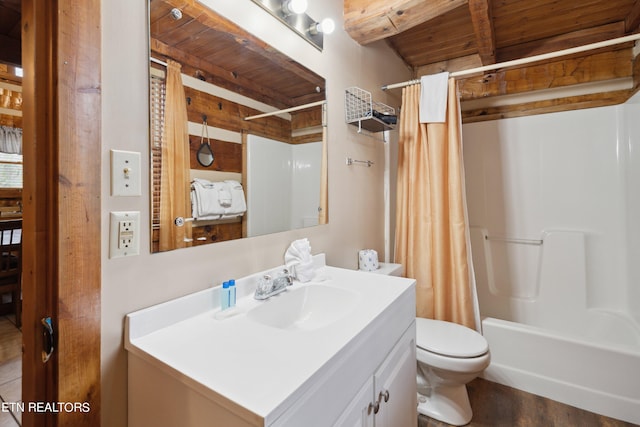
125 173
124 236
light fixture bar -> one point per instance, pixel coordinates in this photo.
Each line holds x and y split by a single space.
298 23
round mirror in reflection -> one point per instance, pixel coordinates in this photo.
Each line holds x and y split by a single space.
205 155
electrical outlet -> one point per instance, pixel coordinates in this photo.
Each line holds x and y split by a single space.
125 173
124 237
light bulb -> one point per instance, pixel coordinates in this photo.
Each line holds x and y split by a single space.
327 26
295 6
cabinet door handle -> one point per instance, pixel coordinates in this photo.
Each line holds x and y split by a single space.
384 395
373 406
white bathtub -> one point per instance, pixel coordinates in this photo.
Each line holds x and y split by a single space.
598 378
550 342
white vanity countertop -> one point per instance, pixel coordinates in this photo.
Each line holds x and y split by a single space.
255 366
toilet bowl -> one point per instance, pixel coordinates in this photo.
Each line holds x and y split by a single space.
449 356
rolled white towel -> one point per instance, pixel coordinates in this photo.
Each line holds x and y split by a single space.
303 271
299 261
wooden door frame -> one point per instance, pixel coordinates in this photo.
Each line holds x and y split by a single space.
62 199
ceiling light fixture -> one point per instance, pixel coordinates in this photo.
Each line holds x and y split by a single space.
292 14
297 7
176 14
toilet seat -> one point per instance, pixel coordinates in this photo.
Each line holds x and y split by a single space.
449 339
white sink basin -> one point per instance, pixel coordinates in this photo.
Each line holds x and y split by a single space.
305 308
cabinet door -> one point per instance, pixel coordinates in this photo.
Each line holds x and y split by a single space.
357 414
395 385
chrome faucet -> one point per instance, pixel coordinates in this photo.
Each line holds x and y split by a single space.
269 286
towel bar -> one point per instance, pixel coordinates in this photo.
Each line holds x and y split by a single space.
351 161
513 240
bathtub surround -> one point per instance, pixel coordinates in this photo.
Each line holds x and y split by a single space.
283 184
552 203
431 227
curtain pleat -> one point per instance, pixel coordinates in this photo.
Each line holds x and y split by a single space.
431 230
175 181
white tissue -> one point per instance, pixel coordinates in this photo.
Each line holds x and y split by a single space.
298 260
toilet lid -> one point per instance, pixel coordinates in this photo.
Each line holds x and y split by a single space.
449 339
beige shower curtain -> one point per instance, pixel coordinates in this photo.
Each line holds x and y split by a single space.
431 234
175 181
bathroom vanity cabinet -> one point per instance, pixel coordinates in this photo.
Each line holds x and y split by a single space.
388 398
189 366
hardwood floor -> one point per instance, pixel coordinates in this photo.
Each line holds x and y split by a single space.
496 405
10 371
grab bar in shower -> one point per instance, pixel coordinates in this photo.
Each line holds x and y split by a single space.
512 240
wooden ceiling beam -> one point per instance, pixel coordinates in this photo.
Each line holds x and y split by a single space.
483 28
367 21
454 64
589 68
632 20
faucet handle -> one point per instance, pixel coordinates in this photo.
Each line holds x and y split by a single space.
265 284
288 278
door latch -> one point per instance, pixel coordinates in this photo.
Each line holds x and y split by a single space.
49 338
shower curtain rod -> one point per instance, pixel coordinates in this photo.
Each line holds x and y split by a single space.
528 60
286 110
157 61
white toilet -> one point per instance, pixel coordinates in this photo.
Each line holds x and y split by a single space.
449 356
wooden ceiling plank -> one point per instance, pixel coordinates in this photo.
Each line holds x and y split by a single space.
563 41
220 77
517 29
483 28
210 19
369 21
632 20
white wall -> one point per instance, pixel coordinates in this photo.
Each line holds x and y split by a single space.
355 193
569 171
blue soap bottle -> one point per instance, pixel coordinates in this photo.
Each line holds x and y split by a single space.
224 296
232 293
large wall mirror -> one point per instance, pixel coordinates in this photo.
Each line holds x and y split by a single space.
239 172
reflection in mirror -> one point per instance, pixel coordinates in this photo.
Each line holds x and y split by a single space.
268 173
205 154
